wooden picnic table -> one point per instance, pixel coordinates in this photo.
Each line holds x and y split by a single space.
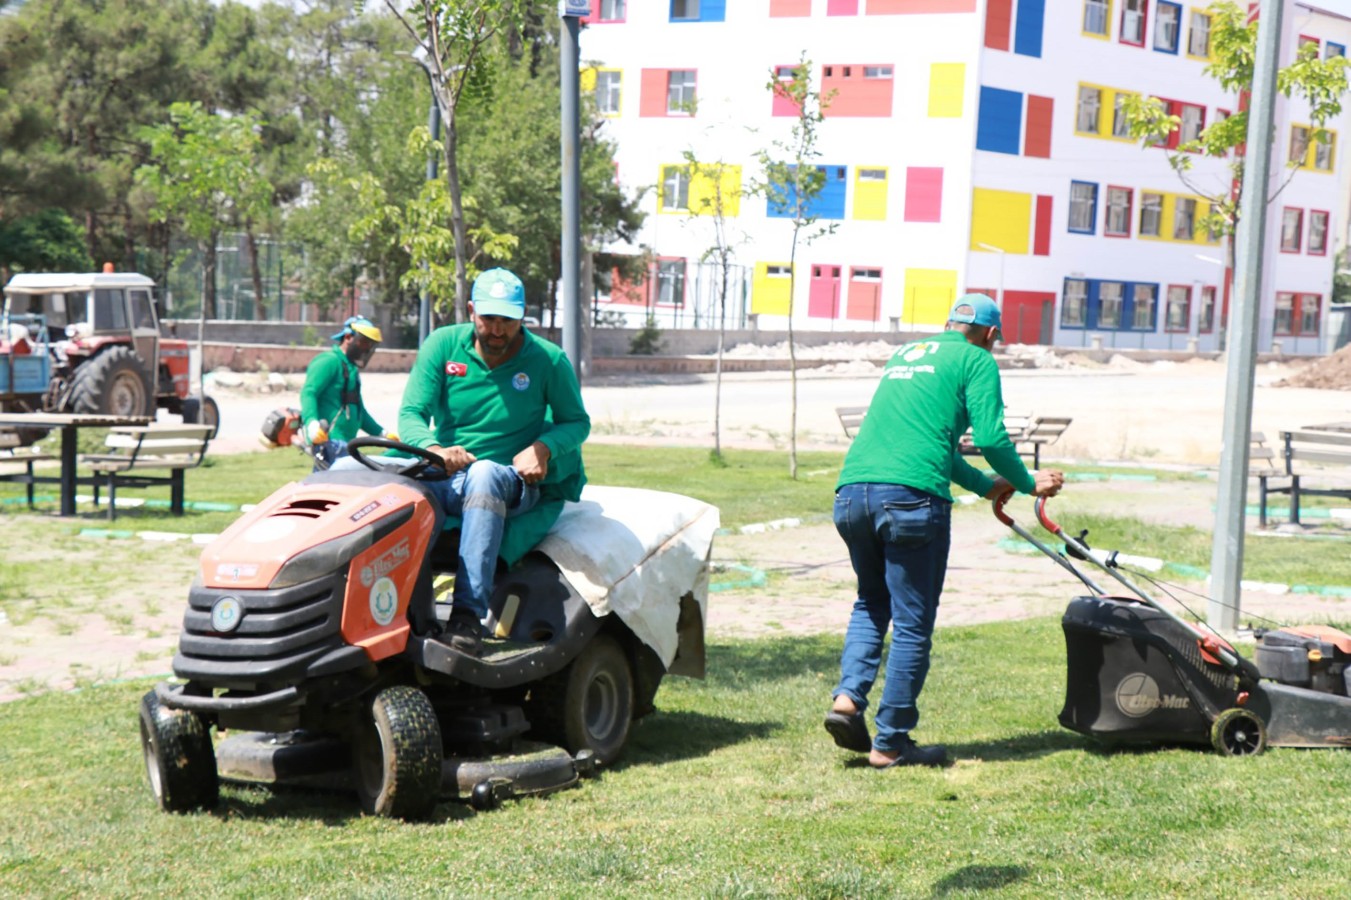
70 425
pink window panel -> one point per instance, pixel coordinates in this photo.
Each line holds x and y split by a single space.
856 95
998 23
1037 134
923 194
789 9
841 7
823 299
864 303
652 93
1041 231
624 291
783 104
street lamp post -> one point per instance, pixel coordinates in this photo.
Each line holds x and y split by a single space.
570 11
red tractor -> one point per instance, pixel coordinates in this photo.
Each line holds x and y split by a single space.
90 343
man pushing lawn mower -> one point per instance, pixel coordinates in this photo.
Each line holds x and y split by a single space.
893 509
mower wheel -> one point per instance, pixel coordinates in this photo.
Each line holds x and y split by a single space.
397 755
588 705
1238 732
179 758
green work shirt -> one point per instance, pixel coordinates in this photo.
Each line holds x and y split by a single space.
931 391
452 398
327 377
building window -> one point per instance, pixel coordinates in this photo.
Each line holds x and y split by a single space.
1299 144
1184 219
608 83
1083 206
1292 230
1109 304
772 271
1072 308
1121 126
1143 298
1086 119
1118 222
1331 49
1167 23
684 9
1322 152
1284 322
1151 215
1198 41
877 71
680 92
675 188
1318 232
1133 22
671 281
1095 17
1205 316
1178 315
612 10
1193 122
1310 309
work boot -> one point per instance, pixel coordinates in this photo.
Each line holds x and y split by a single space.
464 633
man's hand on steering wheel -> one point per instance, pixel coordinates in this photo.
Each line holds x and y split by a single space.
428 464
454 458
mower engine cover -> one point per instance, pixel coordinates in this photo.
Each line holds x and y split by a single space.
1309 656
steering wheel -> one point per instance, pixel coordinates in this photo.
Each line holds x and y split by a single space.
429 464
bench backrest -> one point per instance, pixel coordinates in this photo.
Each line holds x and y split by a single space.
851 417
1325 447
1261 458
8 439
1047 429
160 441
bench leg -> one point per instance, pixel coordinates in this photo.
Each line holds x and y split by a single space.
112 497
1261 501
176 492
30 484
1294 499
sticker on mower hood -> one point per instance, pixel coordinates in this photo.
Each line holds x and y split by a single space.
383 564
384 601
1137 695
236 571
365 511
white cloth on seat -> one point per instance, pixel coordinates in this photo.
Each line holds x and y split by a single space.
635 553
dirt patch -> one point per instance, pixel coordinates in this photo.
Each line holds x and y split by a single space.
1332 373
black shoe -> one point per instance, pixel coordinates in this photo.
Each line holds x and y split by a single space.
463 633
912 754
849 731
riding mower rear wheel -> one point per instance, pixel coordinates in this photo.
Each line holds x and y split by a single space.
397 755
588 705
179 758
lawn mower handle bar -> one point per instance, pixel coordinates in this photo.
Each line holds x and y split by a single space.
998 505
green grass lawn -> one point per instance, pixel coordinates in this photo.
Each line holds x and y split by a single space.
731 789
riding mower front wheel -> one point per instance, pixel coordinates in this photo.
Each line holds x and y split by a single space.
179 758
397 755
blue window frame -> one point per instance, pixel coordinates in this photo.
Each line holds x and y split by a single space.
1105 304
1167 27
1027 27
999 122
1083 207
698 10
827 204
1330 50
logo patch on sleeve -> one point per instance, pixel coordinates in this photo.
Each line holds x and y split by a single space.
456 369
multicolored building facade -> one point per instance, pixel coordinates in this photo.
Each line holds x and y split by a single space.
967 145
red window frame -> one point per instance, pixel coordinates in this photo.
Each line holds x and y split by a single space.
1144 24
1176 137
1107 211
1276 328
1308 241
1299 242
1214 308
1300 301
1186 325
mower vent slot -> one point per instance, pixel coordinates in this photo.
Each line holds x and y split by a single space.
308 508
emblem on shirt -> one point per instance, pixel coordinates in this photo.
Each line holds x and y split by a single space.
520 381
456 370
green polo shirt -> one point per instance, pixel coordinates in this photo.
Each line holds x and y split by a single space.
931 391
326 377
453 398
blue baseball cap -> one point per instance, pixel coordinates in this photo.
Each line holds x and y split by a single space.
975 309
498 292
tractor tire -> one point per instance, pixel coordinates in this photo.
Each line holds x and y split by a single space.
1238 732
588 705
397 755
202 411
114 383
179 758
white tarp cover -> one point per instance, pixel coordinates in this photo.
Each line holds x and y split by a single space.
635 553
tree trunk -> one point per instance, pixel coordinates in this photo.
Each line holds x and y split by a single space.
209 278
717 365
792 361
456 218
259 300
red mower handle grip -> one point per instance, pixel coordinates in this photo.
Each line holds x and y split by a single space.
999 503
1044 519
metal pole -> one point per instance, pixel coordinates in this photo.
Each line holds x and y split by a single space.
424 318
570 55
1226 557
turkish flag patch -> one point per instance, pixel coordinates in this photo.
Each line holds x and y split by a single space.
456 370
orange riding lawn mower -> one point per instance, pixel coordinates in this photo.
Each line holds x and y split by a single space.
308 645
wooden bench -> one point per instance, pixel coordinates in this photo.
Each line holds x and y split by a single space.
11 452
1301 452
138 449
1028 433
850 418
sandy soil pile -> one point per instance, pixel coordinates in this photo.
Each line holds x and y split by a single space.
1331 373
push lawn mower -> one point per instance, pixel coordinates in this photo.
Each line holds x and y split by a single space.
1138 673
310 637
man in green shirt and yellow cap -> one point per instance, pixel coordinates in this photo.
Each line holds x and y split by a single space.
331 411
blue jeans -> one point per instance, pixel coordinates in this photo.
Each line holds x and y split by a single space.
327 453
483 495
898 540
